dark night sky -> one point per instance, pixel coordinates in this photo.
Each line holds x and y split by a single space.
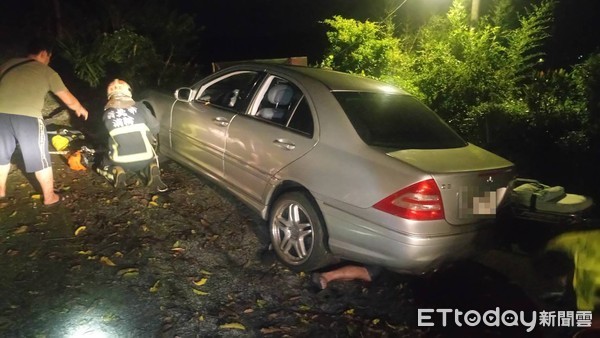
576 31
237 29
279 28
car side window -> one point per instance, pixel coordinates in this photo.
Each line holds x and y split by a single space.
283 103
302 119
231 91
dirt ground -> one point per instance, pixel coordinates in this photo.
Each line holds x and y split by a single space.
194 262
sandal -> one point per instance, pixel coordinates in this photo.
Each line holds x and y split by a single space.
61 198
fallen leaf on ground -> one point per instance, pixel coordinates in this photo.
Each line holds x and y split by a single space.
236 326
155 287
201 282
128 272
269 330
261 303
21 229
106 261
86 253
36 196
200 292
14 213
304 307
204 272
80 230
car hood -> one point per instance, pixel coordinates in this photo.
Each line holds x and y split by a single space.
469 158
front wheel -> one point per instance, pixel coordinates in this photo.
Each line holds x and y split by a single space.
298 234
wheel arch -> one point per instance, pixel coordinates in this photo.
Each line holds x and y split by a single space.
150 107
288 186
162 157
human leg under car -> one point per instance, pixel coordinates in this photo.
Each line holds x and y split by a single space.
349 272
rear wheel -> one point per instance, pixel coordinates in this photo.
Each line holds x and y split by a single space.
298 234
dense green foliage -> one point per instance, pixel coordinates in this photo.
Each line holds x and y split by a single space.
146 43
486 79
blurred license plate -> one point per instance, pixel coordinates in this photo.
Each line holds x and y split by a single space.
482 203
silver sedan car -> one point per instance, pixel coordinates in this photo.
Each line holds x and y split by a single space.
341 167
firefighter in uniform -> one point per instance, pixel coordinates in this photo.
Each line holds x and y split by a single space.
132 131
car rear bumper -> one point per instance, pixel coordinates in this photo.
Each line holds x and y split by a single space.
359 240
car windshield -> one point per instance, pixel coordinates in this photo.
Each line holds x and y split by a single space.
397 121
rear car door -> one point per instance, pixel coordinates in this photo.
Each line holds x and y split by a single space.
199 128
278 129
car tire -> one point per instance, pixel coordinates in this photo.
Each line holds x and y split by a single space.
298 233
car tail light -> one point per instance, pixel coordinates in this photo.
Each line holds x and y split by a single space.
420 201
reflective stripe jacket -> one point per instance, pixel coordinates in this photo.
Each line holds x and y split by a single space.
132 131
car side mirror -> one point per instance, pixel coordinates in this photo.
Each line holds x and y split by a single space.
184 94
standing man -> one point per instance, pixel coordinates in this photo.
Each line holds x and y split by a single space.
24 83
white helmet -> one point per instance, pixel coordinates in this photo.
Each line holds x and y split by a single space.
118 88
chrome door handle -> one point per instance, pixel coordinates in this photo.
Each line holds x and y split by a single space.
221 121
284 144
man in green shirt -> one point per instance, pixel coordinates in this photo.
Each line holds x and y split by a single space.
24 83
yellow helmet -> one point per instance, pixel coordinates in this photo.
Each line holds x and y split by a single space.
60 142
118 88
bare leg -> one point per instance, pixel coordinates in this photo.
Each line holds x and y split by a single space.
345 273
4 169
46 180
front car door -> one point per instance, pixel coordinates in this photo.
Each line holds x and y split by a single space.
199 127
278 129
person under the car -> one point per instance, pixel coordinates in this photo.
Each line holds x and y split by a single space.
132 131
366 273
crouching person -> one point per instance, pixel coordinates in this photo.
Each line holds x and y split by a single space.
132 131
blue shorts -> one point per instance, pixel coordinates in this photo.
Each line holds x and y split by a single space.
30 134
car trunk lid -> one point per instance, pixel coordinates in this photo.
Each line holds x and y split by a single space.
472 180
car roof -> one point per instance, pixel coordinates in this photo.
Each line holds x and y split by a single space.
334 80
